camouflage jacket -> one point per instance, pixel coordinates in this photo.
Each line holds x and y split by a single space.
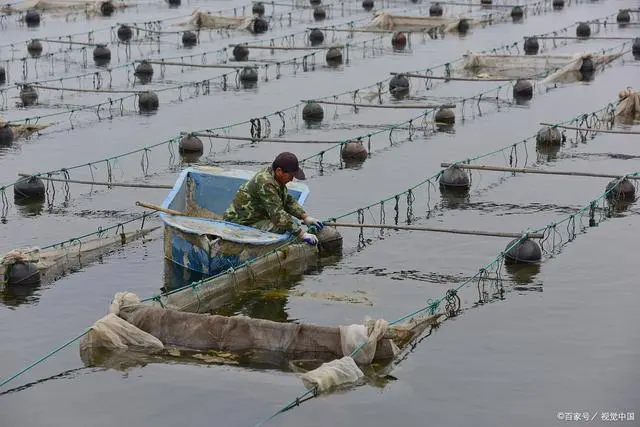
263 198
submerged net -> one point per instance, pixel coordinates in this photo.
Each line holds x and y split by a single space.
199 19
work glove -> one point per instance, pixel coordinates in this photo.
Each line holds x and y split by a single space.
309 220
309 238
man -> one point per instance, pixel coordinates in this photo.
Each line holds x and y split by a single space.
263 202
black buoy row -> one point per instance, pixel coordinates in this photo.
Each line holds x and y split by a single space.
621 190
399 41
399 86
522 90
557 4
174 3
28 95
329 241
635 48
3 76
148 101
353 152
190 144
316 37
319 14
312 113
34 48
29 188
125 33
583 30
258 9
623 17
454 178
463 26
436 10
445 118
22 273
248 77
259 26
240 53
587 69
107 8
334 57
517 13
522 251
101 55
367 5
189 39
6 135
549 136
144 72
32 18
315 2
531 46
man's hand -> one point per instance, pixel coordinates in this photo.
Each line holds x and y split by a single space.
309 238
309 220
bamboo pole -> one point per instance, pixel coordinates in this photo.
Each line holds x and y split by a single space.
486 6
37 86
251 46
581 38
247 138
437 230
109 184
72 42
535 171
186 64
398 106
160 208
623 132
459 79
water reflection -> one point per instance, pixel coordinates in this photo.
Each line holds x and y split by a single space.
523 276
14 296
454 198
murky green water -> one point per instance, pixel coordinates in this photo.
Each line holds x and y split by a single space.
563 339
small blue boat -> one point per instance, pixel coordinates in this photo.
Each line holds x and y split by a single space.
201 241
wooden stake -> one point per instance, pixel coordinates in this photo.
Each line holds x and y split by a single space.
160 208
535 171
459 79
186 64
623 132
437 230
397 106
247 138
109 184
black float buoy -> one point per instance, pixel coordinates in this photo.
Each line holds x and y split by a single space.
259 26
399 41
549 136
28 95
353 151
312 113
32 18
463 26
623 17
334 57
445 118
3 76
248 77
319 14
240 53
557 4
329 241
486 2
22 273
107 8
101 55
436 9
583 30
531 46
189 39
190 144
635 48
525 251
367 5
6 135
621 190
587 69
399 86
258 9
34 47
148 101
455 177
125 33
315 2
523 90
174 3
316 37
517 13
144 72
31 188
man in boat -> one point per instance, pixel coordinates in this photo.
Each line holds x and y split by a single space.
264 203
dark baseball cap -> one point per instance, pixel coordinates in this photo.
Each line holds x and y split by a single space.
288 162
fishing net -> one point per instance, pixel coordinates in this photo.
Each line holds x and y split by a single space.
387 21
200 19
131 325
23 130
629 106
